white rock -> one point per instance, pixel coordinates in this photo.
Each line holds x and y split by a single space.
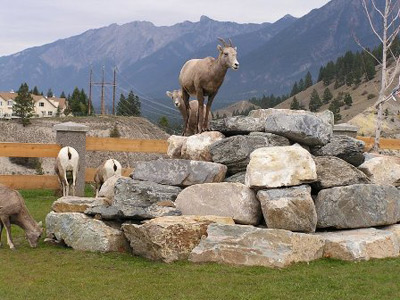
197 147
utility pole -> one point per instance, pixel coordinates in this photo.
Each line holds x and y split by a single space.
90 93
102 84
114 86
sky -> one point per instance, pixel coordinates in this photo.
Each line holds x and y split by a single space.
27 23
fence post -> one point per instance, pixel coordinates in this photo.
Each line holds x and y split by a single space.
74 135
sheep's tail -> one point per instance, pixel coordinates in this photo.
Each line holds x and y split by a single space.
115 167
69 154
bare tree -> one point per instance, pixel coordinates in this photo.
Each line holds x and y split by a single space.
386 32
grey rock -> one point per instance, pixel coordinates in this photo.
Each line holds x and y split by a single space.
76 204
299 126
358 206
289 208
220 199
273 139
333 171
179 172
345 129
344 147
81 232
237 125
238 177
382 170
251 246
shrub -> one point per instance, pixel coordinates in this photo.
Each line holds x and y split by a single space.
371 96
114 132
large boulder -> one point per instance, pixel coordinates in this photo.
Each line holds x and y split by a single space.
139 200
360 244
76 204
273 167
197 147
234 152
382 170
238 177
289 208
169 238
179 172
358 206
297 125
107 189
333 171
221 199
237 125
175 143
345 147
81 232
251 246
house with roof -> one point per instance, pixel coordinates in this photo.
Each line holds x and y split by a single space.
43 106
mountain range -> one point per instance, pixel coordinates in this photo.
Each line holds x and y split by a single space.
148 58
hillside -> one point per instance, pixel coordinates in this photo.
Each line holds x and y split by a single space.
360 113
41 131
240 106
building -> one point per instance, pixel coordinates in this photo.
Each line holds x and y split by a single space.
43 106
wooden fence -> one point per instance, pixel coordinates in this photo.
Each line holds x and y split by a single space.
51 150
103 144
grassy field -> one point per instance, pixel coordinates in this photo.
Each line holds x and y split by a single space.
51 272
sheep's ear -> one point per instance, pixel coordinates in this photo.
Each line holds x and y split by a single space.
169 94
219 47
235 48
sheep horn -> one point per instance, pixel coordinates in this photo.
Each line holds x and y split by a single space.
222 42
230 43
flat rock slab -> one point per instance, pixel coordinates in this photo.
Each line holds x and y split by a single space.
333 171
81 232
289 208
169 238
221 199
347 148
251 246
237 125
358 206
297 125
382 170
179 172
273 167
76 204
360 244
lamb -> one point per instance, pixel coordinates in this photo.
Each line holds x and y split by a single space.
67 166
176 96
14 211
107 169
203 77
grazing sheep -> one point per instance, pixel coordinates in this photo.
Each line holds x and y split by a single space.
66 167
203 77
14 211
107 169
176 96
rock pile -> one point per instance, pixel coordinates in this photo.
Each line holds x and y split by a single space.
273 188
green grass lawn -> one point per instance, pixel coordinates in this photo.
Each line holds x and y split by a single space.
52 272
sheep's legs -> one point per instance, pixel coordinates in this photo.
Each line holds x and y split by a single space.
74 174
1 230
185 98
200 110
210 99
7 224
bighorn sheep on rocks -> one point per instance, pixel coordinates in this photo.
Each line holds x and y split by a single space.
14 211
203 77
107 169
66 167
176 96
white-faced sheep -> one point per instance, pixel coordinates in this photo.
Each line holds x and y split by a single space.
14 211
176 96
106 170
66 167
203 77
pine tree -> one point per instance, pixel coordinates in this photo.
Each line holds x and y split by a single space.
62 95
315 101
327 96
49 93
35 91
308 80
129 106
348 100
335 108
78 102
24 105
301 85
163 122
295 105
295 89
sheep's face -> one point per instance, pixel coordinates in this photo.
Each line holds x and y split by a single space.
176 97
34 236
229 57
